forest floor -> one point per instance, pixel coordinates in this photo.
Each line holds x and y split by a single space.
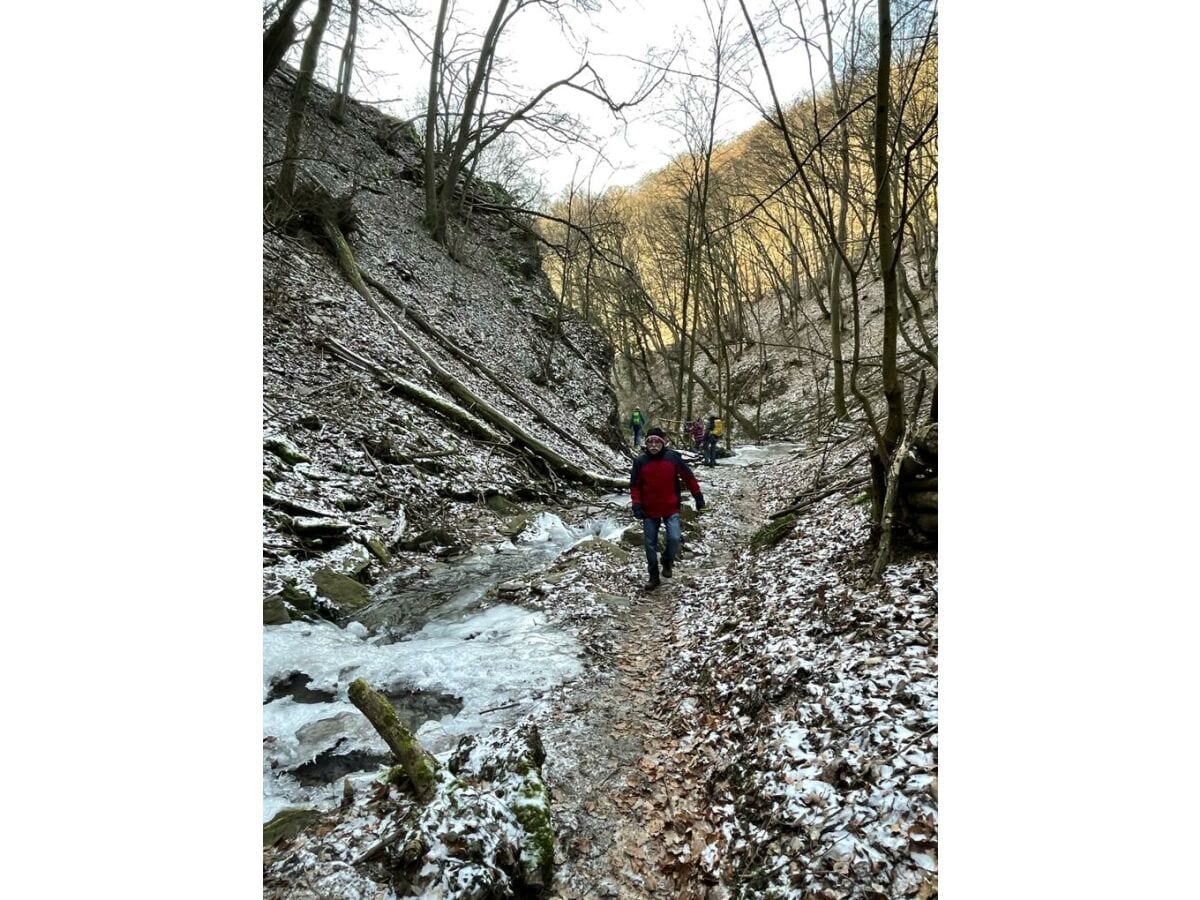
765 724
762 725
613 805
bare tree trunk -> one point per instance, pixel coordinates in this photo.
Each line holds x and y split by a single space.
431 111
278 39
458 147
888 508
300 90
346 66
893 389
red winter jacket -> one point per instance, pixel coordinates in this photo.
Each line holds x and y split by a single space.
654 483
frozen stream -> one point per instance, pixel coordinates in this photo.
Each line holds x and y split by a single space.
450 666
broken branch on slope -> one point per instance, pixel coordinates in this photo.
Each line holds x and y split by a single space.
413 392
549 457
470 360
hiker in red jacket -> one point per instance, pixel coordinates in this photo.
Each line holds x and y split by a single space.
655 488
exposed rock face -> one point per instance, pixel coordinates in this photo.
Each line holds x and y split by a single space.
346 460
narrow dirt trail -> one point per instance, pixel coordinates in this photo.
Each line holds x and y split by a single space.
616 797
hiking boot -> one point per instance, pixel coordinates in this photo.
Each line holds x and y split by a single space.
668 570
652 583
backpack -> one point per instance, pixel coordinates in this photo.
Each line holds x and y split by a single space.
718 428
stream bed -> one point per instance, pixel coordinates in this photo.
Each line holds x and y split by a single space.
450 663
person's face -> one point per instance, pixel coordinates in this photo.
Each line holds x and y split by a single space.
655 444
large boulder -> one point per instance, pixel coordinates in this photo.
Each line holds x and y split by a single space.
502 505
598 545
275 610
341 590
512 528
288 823
284 449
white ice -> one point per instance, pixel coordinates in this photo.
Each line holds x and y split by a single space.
752 454
501 656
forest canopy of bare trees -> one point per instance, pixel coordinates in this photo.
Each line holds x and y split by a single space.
832 192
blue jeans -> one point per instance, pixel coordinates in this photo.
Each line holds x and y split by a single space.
710 450
650 533
637 435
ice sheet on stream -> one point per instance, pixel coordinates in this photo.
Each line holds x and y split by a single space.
752 454
491 658
499 656
549 528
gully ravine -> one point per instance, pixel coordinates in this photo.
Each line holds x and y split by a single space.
552 625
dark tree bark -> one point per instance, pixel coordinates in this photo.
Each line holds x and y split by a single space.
431 111
279 37
300 91
893 390
346 66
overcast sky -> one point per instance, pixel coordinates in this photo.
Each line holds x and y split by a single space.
537 53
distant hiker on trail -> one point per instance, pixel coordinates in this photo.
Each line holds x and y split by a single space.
655 489
698 433
636 421
714 430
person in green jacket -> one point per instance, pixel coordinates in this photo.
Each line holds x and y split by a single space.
636 422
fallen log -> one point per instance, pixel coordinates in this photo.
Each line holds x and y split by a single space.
553 461
804 501
414 392
419 766
471 361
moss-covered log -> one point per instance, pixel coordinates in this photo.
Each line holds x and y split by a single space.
773 532
420 767
288 823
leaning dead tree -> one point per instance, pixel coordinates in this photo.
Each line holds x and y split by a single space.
299 101
551 459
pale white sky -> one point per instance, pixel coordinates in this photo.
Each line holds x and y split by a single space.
536 54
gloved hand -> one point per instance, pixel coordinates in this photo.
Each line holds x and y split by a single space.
699 502
638 512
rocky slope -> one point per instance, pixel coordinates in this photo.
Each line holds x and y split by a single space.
356 477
